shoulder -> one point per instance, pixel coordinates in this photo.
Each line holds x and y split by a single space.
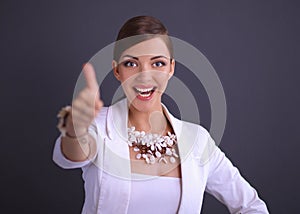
100 120
106 115
192 129
102 115
201 136
201 143
117 107
185 128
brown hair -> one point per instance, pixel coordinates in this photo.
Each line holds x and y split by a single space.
144 28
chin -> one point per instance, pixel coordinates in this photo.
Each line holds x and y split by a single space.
145 106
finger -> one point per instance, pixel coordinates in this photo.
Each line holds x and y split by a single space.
99 105
88 97
83 108
78 116
90 77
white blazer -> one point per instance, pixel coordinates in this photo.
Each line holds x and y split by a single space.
204 167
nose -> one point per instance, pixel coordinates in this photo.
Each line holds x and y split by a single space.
144 74
144 77
144 67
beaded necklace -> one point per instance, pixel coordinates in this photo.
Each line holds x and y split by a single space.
153 147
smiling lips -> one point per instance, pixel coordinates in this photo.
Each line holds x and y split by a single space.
144 93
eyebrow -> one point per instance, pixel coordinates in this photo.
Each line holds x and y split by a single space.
136 58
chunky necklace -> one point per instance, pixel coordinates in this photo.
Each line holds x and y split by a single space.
152 147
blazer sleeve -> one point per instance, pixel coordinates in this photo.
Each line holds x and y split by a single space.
60 159
227 185
96 129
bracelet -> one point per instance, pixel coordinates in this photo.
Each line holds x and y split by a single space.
83 139
62 115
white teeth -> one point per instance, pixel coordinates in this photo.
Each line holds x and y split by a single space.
145 95
143 90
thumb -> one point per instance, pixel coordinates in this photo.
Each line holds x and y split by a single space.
90 77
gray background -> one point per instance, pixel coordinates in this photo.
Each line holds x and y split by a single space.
253 46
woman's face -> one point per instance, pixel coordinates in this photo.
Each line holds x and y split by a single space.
144 70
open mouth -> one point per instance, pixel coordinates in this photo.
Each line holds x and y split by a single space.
145 92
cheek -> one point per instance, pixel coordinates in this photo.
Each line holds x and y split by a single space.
123 76
162 80
126 74
127 80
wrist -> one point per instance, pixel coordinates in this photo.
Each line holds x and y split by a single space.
83 139
73 132
66 126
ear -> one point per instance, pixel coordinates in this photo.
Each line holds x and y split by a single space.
115 69
172 68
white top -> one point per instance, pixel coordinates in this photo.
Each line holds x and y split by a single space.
156 195
204 167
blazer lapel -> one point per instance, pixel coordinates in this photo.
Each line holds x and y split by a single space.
191 195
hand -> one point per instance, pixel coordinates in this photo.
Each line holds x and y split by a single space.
86 106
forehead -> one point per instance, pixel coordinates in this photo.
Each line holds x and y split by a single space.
154 46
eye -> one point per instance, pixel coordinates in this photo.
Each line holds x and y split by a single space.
159 64
129 64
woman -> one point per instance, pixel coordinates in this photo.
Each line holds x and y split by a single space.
135 156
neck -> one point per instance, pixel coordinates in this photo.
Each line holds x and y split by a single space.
153 121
